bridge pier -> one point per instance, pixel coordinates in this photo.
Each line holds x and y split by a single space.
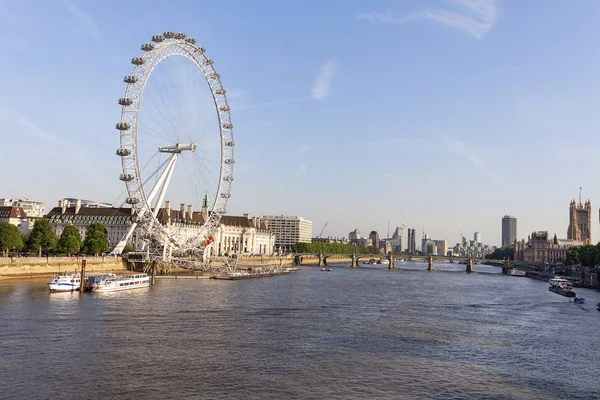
320 259
325 261
430 264
391 260
506 268
297 261
354 261
469 266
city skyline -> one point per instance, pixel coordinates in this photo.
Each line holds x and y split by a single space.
463 110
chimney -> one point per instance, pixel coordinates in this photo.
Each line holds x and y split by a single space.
60 203
182 211
64 206
77 206
246 215
168 208
132 208
190 211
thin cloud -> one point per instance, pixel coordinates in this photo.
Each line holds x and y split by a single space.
83 19
322 84
301 149
459 148
272 103
302 170
475 17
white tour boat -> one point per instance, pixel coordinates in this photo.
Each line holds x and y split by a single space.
64 282
112 283
516 272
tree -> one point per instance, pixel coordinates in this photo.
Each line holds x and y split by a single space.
96 239
70 241
42 238
572 256
588 255
10 238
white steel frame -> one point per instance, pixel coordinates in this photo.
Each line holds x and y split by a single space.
172 45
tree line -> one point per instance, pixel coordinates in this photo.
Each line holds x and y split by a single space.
502 253
331 248
43 240
587 256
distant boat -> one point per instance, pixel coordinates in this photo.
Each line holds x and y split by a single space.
64 282
326 269
516 272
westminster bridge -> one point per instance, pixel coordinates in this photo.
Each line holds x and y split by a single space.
322 259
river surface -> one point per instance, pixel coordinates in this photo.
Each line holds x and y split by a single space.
365 333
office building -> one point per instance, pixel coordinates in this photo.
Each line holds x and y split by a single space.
288 230
33 209
509 230
374 236
477 237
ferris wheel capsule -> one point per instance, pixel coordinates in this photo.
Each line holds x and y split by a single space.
123 152
123 126
158 38
180 35
125 101
169 34
148 47
137 61
130 79
191 40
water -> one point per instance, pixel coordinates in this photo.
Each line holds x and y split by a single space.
352 334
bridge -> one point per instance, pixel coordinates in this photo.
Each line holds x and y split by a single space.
355 258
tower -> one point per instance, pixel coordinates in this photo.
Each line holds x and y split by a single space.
580 221
509 230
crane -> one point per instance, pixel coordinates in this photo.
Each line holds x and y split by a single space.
322 230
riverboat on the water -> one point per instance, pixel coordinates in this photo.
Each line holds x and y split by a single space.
239 275
516 272
561 286
64 282
113 283
326 269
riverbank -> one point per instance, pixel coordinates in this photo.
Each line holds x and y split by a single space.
32 267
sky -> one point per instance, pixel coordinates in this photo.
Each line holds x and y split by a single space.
442 115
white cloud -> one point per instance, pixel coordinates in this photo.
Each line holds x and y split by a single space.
301 149
458 148
84 20
475 17
322 84
302 170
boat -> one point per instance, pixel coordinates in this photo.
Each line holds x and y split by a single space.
64 282
384 261
598 306
239 275
516 272
326 269
113 283
561 286
578 300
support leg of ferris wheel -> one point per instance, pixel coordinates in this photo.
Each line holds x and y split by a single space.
163 181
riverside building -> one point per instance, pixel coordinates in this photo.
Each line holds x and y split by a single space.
540 249
288 230
17 217
33 209
235 234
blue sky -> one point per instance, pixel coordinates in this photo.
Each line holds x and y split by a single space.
442 114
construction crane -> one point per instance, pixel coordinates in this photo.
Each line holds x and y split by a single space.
322 230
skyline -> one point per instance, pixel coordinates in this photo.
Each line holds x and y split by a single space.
445 115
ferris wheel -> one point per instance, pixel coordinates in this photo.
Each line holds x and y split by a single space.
167 118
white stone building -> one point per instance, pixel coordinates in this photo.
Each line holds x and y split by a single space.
288 230
34 209
17 217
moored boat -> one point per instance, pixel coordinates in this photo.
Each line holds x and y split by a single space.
561 286
113 283
64 282
516 272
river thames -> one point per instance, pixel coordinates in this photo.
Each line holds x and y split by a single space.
365 333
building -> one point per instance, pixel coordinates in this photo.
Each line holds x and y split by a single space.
116 220
580 222
424 240
33 209
411 245
539 248
398 240
429 247
374 236
18 217
354 236
477 237
235 234
288 230
441 247
509 230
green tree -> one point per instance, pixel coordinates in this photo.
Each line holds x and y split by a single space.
96 239
588 255
10 238
42 238
70 241
572 256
